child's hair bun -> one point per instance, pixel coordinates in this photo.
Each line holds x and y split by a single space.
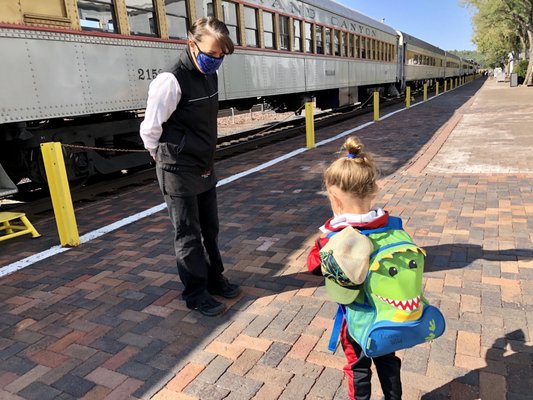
353 146
354 172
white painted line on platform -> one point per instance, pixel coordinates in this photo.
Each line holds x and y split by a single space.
52 251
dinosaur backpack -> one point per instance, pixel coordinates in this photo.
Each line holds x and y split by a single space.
376 277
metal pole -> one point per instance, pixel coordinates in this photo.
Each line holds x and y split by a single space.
232 115
56 175
309 125
376 106
436 88
408 97
425 91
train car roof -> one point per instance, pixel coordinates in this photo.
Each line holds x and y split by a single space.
451 55
410 39
340 9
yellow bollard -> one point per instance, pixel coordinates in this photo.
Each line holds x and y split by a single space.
445 85
376 106
425 91
436 88
455 82
408 97
56 175
309 125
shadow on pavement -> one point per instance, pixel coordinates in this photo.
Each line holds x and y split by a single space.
508 374
459 255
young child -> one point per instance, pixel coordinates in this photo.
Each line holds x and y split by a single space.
351 185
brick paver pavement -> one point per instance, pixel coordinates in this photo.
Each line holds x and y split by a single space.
105 320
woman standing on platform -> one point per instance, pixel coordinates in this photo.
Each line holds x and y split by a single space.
180 132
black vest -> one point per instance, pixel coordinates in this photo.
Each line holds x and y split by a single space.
189 137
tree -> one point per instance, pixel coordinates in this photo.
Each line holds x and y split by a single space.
503 26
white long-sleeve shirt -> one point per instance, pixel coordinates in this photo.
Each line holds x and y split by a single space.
164 94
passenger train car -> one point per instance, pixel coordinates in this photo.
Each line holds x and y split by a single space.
78 71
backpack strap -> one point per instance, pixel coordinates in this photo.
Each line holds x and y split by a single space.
394 223
336 331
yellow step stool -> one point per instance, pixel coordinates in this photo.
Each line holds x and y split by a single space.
11 231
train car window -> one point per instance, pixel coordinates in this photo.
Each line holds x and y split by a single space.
347 40
177 19
363 47
268 29
336 42
297 35
229 12
328 40
250 24
284 32
208 8
318 38
357 42
141 17
308 38
97 15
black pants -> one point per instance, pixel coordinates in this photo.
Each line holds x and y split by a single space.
359 373
195 220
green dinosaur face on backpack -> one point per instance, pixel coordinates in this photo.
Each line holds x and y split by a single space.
395 278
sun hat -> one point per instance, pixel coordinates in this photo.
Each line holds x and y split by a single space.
344 263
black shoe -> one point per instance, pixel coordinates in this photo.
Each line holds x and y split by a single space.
225 289
208 306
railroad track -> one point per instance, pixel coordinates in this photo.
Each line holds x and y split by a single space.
248 140
227 146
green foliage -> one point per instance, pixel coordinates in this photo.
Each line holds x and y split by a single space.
471 55
521 68
500 27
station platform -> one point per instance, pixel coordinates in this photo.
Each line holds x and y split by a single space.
105 320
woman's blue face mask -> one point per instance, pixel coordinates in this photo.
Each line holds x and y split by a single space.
208 64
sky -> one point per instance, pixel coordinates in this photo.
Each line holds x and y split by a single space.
444 23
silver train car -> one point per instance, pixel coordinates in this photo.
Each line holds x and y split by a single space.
78 71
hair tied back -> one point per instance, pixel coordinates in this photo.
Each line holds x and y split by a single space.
351 156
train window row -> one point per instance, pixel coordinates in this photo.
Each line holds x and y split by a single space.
100 15
281 32
451 64
251 27
421 59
